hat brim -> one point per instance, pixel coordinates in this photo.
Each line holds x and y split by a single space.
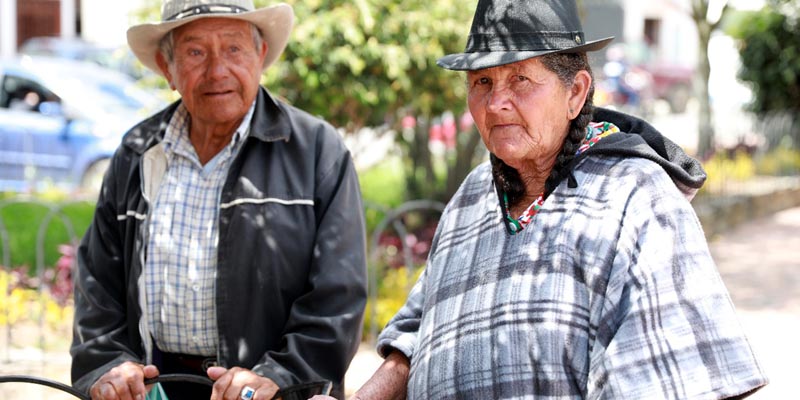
274 22
481 60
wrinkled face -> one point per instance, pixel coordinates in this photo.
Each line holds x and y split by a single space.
521 111
216 68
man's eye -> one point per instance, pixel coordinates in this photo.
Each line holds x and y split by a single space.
195 52
521 78
482 81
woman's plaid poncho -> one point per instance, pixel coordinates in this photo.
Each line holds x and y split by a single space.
609 293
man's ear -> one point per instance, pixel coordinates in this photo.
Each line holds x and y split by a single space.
262 52
578 92
164 67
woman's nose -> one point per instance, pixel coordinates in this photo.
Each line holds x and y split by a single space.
499 98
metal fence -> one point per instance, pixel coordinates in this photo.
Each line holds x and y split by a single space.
755 177
395 223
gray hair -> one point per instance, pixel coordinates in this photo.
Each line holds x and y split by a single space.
166 46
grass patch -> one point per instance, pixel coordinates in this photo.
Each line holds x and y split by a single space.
383 184
23 221
382 189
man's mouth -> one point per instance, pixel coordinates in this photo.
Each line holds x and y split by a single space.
218 93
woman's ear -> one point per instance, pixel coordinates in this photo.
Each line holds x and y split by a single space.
578 92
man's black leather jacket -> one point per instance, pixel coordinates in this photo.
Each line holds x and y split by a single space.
291 265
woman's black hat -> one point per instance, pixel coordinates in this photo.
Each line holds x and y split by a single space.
507 31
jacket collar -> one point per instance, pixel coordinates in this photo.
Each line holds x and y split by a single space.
270 123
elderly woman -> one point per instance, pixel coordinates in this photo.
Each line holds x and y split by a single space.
571 265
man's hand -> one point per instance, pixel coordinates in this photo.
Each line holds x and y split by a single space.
123 382
229 384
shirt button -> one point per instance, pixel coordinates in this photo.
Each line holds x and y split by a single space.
196 287
195 339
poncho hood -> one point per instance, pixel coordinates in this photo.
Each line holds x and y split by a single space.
637 138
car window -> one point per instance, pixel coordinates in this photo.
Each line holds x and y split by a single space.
24 94
96 92
103 97
125 94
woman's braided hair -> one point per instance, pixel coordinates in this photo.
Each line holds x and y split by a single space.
566 66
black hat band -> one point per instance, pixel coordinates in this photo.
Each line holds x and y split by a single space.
524 41
207 9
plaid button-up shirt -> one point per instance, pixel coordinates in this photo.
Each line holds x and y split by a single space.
181 264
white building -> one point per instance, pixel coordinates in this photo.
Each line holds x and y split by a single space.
665 26
106 21
101 21
662 30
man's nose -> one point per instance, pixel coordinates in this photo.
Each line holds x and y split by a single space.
217 64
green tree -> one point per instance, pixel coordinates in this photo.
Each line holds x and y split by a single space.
371 63
769 46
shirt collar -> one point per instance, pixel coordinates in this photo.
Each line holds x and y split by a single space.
178 130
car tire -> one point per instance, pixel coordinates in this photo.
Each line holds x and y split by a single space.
92 178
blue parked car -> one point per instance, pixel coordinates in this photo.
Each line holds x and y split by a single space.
61 121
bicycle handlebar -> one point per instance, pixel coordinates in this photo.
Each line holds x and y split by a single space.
44 382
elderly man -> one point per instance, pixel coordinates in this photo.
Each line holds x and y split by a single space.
228 238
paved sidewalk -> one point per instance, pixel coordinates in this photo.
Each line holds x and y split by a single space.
760 264
361 368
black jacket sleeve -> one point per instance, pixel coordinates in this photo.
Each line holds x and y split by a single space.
103 335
